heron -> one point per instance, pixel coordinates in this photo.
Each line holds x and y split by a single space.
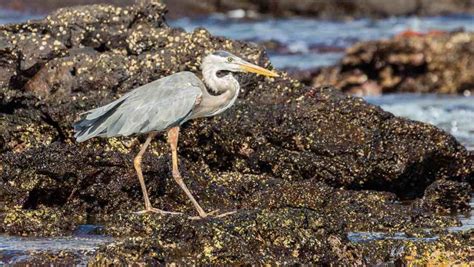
163 106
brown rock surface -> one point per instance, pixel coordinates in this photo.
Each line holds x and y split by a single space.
431 63
447 196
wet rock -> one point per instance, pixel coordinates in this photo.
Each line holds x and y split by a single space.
357 210
42 221
302 166
287 235
425 63
305 76
447 196
51 5
8 62
451 248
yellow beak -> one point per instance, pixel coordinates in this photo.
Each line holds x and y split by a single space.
259 70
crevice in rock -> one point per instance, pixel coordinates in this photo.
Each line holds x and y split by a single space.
50 121
410 184
102 48
10 107
47 197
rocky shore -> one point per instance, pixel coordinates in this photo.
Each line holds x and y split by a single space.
436 62
339 9
306 168
324 9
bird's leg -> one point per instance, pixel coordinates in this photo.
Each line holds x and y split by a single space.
137 162
173 141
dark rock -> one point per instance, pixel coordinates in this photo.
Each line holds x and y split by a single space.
51 5
287 235
447 196
302 166
431 63
305 76
447 249
8 61
41 221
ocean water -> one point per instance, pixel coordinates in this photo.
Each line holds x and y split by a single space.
305 38
16 250
12 16
454 114
466 224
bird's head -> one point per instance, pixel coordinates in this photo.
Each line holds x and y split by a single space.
224 62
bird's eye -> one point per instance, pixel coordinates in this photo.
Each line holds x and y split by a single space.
229 59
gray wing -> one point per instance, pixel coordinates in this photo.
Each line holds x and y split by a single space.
155 106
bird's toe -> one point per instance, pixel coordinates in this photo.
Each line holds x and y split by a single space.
214 213
155 210
140 212
226 214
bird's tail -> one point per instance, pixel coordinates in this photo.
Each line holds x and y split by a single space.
83 129
94 122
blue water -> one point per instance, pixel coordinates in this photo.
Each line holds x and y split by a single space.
466 221
300 35
17 250
361 237
454 114
11 16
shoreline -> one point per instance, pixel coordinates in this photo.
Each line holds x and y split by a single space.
339 10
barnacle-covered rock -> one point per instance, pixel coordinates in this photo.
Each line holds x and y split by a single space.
447 196
436 62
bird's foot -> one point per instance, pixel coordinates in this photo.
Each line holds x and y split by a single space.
155 210
212 214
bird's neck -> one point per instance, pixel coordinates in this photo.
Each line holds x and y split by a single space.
225 91
218 85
